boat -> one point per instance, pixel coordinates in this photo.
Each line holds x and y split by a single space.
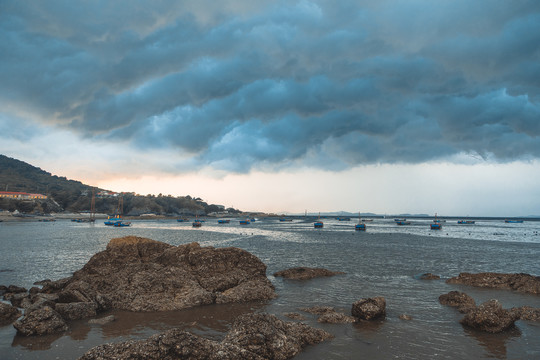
196 223
344 219
403 222
122 224
285 219
400 220
318 224
466 222
360 226
182 220
437 225
224 221
244 222
513 221
117 217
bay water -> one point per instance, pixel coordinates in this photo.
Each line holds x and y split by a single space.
386 260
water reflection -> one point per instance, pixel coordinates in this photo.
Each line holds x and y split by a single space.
495 344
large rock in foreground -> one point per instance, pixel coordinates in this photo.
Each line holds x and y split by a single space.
252 337
139 274
520 282
490 317
306 273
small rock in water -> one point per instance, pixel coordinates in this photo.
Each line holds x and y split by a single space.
370 308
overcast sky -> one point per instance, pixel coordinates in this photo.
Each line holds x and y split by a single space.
413 106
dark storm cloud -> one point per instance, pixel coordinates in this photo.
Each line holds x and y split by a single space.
271 83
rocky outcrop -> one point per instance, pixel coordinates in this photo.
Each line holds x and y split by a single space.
170 345
40 322
520 282
490 317
429 276
329 315
252 337
528 313
76 310
369 308
458 299
139 274
271 338
305 273
8 314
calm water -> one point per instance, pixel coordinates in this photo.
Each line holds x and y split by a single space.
380 262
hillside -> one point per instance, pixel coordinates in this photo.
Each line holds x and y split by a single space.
74 196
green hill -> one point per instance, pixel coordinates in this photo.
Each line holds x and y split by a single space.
74 196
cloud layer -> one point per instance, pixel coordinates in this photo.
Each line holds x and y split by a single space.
268 84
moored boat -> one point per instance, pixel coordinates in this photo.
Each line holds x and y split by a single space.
318 224
244 222
436 226
403 222
223 221
466 222
360 226
513 221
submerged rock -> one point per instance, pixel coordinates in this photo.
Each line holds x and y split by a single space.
103 320
305 273
490 317
41 322
520 282
334 317
458 299
369 309
139 274
329 315
252 337
429 276
8 314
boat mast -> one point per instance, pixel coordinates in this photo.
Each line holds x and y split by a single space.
93 206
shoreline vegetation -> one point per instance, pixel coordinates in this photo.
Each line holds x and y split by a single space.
141 275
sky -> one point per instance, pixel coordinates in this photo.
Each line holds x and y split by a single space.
390 107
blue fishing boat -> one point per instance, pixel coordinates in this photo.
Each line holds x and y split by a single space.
223 221
360 226
436 226
318 224
122 224
344 219
111 220
196 223
468 222
400 220
403 222
285 219
244 222
513 221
